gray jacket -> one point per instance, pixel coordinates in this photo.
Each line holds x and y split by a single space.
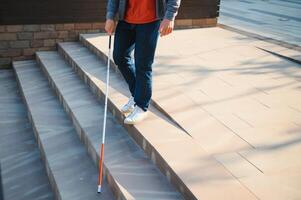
164 9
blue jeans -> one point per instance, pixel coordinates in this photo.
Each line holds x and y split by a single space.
138 75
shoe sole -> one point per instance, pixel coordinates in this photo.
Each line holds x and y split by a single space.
130 123
136 122
127 112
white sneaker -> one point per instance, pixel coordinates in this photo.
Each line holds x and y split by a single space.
136 116
129 106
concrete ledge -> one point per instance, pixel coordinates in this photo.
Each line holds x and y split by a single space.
260 37
162 151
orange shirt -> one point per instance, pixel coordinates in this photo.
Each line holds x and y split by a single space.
140 11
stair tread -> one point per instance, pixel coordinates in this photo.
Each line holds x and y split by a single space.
22 171
133 171
74 173
185 165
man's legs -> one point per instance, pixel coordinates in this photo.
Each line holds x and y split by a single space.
124 43
145 47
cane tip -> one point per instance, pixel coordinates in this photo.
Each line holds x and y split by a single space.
99 189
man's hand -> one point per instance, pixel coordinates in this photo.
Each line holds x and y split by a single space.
166 27
110 26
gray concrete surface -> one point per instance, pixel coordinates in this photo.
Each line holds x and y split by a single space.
277 19
23 173
1 187
72 173
135 174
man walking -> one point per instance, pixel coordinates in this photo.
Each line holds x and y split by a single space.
139 26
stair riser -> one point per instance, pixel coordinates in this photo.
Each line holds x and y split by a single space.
51 178
1 185
132 130
84 138
100 54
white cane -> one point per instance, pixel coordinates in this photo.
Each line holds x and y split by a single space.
100 176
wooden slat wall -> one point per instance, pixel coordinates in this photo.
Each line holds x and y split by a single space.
198 9
66 11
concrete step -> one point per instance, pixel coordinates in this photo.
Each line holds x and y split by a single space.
1 190
70 170
195 173
132 174
22 174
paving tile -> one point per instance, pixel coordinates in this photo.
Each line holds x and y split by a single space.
274 187
238 165
278 185
275 156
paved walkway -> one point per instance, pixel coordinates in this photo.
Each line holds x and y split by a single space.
278 19
238 102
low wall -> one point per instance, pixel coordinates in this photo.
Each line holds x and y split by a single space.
20 42
35 25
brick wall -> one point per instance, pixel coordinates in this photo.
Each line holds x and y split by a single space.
195 23
20 42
